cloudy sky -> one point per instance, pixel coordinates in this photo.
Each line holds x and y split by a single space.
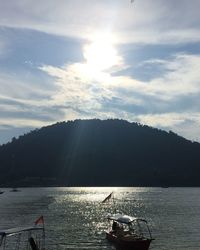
68 59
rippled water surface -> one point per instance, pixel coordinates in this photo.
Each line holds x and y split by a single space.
75 217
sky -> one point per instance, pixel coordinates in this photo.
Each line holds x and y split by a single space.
73 59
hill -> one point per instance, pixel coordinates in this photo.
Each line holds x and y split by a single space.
100 153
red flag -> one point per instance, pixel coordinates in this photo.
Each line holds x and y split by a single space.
40 220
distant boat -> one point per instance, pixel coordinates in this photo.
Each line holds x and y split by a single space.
126 232
33 237
1 192
15 190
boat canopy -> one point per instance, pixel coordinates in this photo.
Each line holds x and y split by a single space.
126 219
18 230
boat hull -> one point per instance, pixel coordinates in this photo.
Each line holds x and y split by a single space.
124 243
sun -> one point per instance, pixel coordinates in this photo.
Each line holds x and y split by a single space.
100 55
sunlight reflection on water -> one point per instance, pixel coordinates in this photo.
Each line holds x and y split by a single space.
75 218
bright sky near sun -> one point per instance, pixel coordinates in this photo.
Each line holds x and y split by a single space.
74 59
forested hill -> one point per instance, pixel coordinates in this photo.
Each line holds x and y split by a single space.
99 153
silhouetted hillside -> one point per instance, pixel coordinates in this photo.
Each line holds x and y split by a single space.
100 153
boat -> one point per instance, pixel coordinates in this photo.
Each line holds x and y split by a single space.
24 237
129 232
1 192
15 190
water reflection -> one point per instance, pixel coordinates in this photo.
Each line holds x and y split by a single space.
75 218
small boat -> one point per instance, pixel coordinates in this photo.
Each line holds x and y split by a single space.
129 232
1 192
15 190
25 237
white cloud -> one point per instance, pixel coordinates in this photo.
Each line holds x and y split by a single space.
163 120
78 92
22 87
180 77
144 21
89 93
4 47
185 124
20 122
24 102
1 48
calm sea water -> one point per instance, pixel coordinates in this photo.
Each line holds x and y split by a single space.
75 217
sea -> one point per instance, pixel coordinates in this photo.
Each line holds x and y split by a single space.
76 218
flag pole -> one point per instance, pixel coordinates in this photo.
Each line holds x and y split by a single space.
43 236
40 220
114 203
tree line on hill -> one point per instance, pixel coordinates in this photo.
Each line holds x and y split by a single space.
100 153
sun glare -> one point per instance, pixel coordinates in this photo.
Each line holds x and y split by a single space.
100 55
